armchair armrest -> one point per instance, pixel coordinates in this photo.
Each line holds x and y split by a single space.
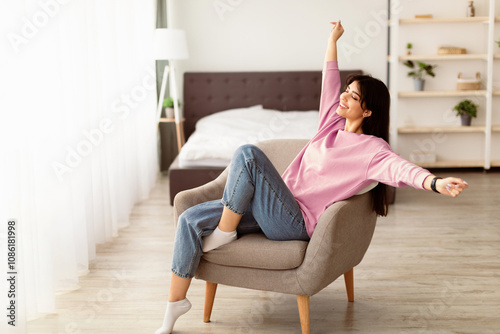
207 192
339 242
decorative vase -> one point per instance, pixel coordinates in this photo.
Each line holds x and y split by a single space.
466 119
418 84
169 112
471 10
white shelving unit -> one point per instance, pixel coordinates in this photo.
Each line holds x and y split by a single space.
447 129
480 56
446 20
443 93
482 134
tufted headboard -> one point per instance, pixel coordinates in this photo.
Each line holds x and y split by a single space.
208 92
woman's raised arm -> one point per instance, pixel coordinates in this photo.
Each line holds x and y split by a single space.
330 87
331 50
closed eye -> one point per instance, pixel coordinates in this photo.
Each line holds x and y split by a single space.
352 95
356 98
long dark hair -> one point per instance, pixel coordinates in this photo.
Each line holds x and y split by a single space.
375 97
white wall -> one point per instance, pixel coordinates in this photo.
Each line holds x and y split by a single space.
267 35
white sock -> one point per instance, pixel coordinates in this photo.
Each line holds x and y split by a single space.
173 312
217 239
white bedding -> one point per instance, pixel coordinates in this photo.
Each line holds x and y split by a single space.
217 136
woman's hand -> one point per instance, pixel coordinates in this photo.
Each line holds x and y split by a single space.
336 32
451 186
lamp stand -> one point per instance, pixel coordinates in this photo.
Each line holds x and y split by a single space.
162 93
177 112
169 70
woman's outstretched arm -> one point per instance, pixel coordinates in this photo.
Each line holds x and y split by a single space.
390 168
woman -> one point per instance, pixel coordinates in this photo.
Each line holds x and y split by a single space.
348 154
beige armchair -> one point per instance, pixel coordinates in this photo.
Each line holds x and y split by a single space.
338 244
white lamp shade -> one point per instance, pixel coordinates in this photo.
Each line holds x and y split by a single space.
170 44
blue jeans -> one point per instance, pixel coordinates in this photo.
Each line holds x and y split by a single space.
255 190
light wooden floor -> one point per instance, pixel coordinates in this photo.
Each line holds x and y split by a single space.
433 267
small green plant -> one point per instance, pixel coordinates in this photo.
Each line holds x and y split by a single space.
498 42
409 46
169 102
420 69
466 107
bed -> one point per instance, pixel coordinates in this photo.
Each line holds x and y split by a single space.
206 93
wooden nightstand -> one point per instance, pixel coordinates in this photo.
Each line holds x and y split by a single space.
179 130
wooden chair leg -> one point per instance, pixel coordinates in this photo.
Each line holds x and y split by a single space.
210 290
303 303
349 284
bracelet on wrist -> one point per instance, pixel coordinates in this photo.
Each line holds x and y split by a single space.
433 184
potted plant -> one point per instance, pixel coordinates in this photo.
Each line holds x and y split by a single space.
168 104
466 109
409 46
419 70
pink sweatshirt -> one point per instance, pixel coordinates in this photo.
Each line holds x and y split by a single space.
337 164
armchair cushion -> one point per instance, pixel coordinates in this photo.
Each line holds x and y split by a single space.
256 251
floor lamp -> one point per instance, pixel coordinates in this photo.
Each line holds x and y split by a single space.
170 44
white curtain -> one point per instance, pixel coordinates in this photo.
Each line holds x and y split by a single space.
78 133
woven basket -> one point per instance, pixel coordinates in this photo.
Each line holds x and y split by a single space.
469 84
422 156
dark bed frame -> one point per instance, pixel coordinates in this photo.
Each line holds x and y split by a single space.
206 93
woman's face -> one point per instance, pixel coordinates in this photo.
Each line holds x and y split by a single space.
350 103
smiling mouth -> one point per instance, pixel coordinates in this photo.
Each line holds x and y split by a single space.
342 105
